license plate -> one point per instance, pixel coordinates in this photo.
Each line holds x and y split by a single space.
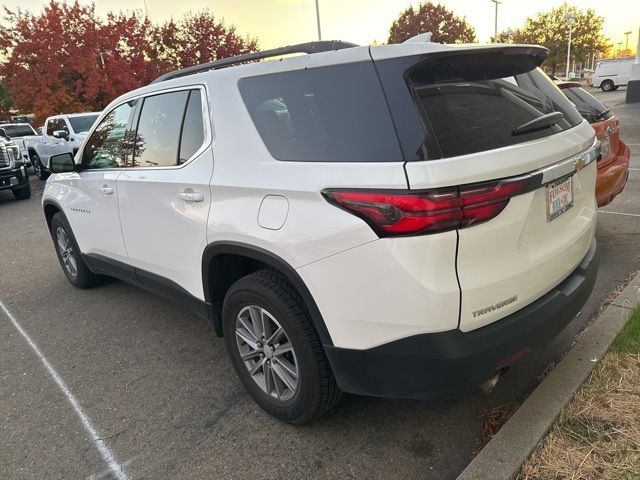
559 197
605 146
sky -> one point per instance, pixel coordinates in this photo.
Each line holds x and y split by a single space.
281 22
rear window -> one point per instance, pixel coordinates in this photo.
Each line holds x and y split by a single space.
82 123
18 130
464 103
589 106
325 114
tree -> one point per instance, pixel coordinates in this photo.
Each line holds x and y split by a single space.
5 102
551 29
65 59
444 25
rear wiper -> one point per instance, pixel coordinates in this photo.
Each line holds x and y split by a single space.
539 123
603 113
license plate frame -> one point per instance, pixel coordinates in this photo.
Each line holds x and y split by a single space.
559 197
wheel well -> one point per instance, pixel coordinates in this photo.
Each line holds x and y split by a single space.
49 211
32 150
223 264
224 270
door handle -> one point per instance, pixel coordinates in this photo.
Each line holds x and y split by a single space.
191 196
106 189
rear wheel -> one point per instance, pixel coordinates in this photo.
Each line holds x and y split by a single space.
23 193
607 86
69 256
275 350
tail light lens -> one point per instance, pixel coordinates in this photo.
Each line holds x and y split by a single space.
403 212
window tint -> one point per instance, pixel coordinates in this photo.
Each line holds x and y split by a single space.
18 130
326 114
476 104
82 123
110 143
159 130
192 128
589 106
51 123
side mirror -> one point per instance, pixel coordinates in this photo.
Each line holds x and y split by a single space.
60 134
62 163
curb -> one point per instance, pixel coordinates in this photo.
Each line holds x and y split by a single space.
505 453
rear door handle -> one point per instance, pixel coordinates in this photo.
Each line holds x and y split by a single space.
191 196
106 189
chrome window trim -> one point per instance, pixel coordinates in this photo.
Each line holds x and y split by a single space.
208 128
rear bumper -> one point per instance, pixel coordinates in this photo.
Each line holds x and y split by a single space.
453 363
612 178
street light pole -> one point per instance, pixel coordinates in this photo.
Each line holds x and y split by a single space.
495 27
570 18
318 19
626 46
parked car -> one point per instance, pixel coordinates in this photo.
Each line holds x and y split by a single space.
61 133
23 135
13 170
611 74
613 165
400 221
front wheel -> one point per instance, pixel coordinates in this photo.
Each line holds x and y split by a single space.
69 256
38 168
607 86
275 350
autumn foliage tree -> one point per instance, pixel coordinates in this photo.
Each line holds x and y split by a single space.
551 29
66 59
444 25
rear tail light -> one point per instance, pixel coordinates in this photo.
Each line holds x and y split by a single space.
403 212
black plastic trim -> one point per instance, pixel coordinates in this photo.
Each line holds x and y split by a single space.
452 363
148 281
268 258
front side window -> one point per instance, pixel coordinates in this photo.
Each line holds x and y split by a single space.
159 128
61 125
111 142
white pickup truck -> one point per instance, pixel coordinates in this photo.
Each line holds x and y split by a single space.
61 134
23 135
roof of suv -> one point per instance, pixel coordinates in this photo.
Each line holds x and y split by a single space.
344 53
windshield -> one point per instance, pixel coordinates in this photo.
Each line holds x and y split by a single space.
18 130
82 123
588 105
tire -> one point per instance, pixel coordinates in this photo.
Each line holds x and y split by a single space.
23 193
266 295
38 168
607 86
71 261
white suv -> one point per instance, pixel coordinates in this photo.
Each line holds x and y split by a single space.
399 221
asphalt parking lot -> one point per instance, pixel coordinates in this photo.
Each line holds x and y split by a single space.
157 388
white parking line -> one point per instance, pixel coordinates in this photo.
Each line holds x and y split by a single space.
620 213
105 452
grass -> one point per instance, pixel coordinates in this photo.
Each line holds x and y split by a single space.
598 435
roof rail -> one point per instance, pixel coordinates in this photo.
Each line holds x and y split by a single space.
309 47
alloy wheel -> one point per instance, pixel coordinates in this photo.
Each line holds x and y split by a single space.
267 353
66 252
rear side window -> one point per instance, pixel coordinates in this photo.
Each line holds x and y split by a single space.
325 114
192 135
472 102
159 129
